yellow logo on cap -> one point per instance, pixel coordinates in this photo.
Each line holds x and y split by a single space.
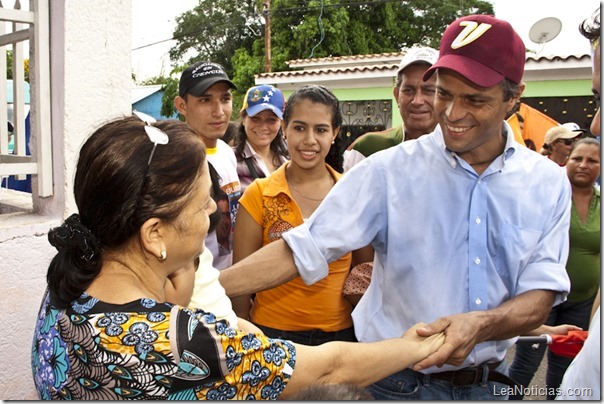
470 33
256 95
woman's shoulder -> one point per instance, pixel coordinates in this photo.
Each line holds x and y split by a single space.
87 304
135 338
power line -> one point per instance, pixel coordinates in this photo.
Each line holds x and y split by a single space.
272 12
153 43
312 52
192 33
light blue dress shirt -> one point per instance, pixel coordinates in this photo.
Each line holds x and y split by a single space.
446 240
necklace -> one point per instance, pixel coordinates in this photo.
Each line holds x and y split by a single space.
308 197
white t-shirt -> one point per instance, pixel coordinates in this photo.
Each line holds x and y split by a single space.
220 241
208 293
582 378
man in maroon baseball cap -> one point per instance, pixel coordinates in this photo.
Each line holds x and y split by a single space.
483 49
470 233
479 79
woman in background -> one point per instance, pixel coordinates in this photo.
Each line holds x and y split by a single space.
583 266
259 145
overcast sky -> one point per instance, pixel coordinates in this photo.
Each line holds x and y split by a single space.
154 21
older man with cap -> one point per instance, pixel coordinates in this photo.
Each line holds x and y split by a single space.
205 100
415 100
469 228
559 142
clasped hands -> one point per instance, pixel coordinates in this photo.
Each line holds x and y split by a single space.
448 340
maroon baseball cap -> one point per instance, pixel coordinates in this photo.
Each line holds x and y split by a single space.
483 49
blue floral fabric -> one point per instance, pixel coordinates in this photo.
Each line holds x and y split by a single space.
148 350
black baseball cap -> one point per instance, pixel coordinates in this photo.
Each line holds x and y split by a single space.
197 78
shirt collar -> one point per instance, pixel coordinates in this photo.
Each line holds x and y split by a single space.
276 183
248 150
509 149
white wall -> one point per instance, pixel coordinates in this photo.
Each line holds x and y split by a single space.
90 83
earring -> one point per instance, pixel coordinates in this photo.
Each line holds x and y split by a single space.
162 255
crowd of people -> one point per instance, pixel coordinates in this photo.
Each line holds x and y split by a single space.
279 266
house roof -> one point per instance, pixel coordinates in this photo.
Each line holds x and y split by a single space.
334 70
384 66
353 60
142 92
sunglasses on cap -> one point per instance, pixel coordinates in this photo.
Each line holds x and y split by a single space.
570 141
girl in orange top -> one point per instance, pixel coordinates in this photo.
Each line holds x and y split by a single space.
270 206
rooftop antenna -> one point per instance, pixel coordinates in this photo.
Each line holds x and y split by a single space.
544 31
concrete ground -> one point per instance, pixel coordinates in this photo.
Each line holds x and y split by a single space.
538 380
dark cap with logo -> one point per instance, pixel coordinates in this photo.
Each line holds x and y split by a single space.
199 77
483 49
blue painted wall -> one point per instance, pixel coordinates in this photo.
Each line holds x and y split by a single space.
151 105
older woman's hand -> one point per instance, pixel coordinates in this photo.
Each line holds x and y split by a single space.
425 345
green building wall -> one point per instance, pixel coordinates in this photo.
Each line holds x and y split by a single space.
534 89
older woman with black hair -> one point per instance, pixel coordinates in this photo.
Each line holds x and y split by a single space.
107 329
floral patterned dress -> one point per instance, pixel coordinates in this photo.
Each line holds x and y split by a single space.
148 350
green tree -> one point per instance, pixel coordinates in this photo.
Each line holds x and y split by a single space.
156 80
215 29
351 27
9 66
233 34
170 87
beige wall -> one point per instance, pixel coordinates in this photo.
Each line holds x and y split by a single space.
90 83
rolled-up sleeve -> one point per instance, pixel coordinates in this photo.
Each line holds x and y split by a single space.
309 260
350 217
547 267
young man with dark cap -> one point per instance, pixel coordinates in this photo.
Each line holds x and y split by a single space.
415 100
205 100
464 238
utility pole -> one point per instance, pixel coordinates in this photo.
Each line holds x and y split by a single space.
267 36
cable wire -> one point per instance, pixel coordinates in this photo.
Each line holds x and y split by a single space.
312 52
272 12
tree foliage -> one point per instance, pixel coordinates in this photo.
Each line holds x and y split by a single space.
215 29
9 66
232 33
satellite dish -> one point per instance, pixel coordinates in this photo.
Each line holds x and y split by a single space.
545 30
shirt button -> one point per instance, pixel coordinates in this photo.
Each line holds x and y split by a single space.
478 301
477 261
478 220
